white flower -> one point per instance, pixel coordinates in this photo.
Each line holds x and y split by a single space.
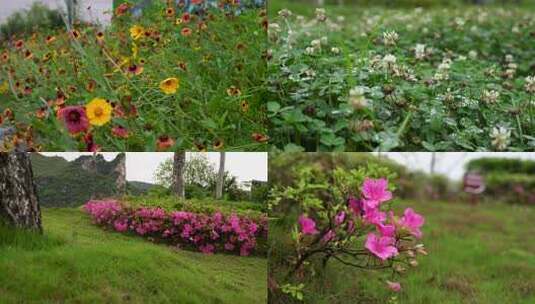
530 84
316 43
390 38
357 99
509 58
500 137
320 15
335 50
490 96
389 59
324 40
472 54
285 13
420 51
309 50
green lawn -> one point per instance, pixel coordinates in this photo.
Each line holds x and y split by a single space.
482 254
78 262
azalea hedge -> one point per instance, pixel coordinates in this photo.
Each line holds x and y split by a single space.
207 233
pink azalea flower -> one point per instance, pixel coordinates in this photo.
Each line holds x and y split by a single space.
394 286
382 247
355 205
207 249
387 230
375 191
120 226
308 226
328 236
373 216
340 217
412 221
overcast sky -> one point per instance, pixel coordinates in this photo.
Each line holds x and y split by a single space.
245 166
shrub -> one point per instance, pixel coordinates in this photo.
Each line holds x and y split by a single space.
206 233
206 205
344 215
512 188
503 165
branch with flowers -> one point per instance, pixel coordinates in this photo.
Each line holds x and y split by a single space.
206 233
347 217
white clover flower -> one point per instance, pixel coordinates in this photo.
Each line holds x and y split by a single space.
357 99
530 84
321 15
310 50
501 137
335 50
324 40
390 38
491 96
389 59
285 13
509 58
310 73
419 51
472 54
316 44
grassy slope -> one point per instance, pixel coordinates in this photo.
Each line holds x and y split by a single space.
476 255
81 263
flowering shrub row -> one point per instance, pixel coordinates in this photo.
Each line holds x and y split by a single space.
206 233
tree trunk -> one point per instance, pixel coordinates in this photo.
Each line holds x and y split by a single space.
179 160
19 205
220 176
120 170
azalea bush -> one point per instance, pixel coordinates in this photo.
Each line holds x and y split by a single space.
343 217
170 80
207 233
421 79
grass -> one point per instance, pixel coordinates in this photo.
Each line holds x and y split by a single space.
476 255
77 262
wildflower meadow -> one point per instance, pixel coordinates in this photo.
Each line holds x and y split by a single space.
360 78
174 78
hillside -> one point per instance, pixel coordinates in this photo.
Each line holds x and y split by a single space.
85 264
66 184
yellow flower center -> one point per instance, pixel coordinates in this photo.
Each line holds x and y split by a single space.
99 112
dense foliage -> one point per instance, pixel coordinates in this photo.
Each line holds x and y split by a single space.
501 165
61 183
170 80
435 80
205 205
207 233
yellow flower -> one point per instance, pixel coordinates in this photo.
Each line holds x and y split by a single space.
170 85
136 32
4 87
98 111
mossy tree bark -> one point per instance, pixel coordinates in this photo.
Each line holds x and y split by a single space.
179 161
19 204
